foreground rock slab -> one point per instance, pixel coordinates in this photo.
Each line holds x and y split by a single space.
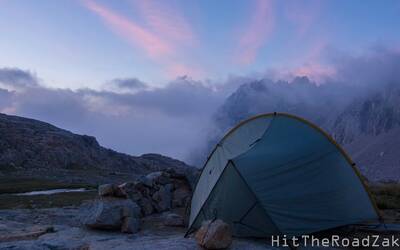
214 235
109 213
11 232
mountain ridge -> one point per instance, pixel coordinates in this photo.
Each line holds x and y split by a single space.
30 147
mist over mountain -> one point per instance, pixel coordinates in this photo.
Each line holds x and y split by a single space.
358 106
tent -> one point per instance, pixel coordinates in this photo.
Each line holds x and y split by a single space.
278 174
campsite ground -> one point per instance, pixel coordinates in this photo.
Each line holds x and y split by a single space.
59 228
53 221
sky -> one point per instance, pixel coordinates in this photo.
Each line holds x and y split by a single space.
86 43
148 76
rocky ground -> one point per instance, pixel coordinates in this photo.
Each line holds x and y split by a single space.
60 228
147 213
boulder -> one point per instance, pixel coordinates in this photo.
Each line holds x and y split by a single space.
181 196
192 175
163 198
145 181
120 192
161 178
143 189
146 206
174 220
174 174
108 213
214 235
156 192
130 190
106 190
130 225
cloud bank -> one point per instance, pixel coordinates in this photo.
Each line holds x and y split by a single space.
354 81
179 119
127 115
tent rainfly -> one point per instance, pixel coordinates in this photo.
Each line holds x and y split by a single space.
278 174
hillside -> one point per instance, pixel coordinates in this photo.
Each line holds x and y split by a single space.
33 148
377 156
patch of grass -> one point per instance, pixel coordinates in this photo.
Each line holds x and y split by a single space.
21 185
387 195
8 201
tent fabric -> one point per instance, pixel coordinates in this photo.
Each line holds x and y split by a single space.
279 174
233 144
247 218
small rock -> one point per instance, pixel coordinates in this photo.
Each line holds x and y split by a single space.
174 220
130 225
106 190
214 235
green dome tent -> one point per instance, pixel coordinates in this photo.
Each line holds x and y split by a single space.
277 174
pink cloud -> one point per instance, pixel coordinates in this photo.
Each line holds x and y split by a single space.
257 32
313 67
131 31
176 70
162 38
315 71
164 18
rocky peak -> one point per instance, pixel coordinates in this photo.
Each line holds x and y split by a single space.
373 114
